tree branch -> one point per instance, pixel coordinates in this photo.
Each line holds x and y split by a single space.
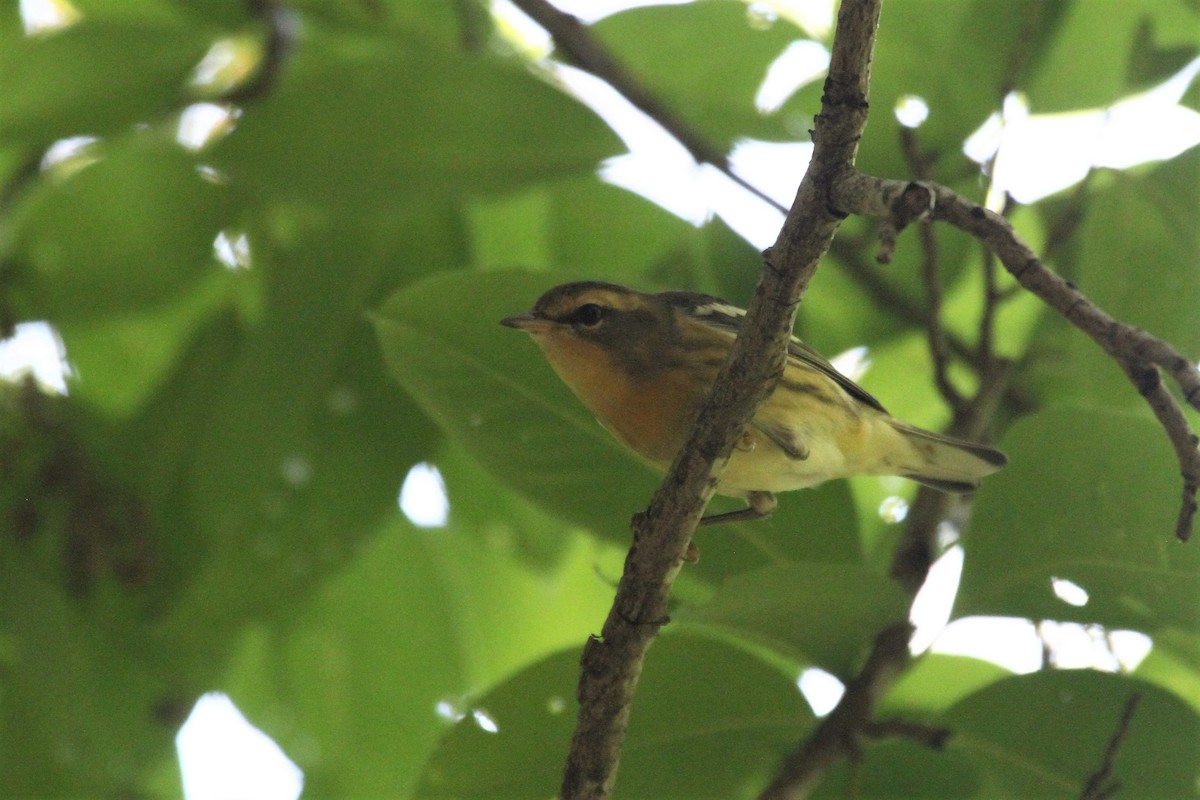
920 165
281 36
831 189
1133 348
580 48
931 737
837 735
26 170
1099 786
1149 384
612 663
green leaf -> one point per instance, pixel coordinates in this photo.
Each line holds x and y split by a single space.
357 676
362 128
511 231
1090 497
690 736
122 360
94 77
597 228
1144 44
1146 274
935 682
497 518
777 607
55 651
600 229
998 40
81 253
705 61
1152 61
508 613
351 684
534 712
449 25
301 440
1174 664
1042 735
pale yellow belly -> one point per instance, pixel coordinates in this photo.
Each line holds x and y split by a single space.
839 448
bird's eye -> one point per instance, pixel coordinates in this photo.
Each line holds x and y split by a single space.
588 315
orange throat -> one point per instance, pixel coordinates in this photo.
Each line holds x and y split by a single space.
645 415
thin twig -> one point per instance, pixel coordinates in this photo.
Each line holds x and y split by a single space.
850 258
918 546
281 35
920 165
837 735
992 297
1099 785
572 38
27 169
927 735
612 663
1149 384
1126 344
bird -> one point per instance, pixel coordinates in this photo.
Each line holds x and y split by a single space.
642 364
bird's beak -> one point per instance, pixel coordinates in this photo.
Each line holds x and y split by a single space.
528 322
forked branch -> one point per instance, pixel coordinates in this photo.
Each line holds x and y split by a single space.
830 190
1140 354
613 661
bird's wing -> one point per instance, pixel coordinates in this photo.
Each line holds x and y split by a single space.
801 352
718 314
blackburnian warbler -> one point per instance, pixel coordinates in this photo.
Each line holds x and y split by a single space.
642 364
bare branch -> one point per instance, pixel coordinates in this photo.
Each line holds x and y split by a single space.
931 273
887 297
26 170
572 38
1099 786
931 737
992 297
1148 381
921 165
837 735
831 189
1126 344
612 663
281 35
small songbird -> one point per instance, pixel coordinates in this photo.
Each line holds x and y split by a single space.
642 363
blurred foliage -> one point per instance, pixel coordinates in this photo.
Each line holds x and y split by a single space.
269 328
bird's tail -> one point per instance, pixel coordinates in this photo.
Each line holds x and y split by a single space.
945 463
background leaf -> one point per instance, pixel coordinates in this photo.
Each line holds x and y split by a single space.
728 739
1050 753
705 60
79 254
760 606
1109 527
435 123
96 76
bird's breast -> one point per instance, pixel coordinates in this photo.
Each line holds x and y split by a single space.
650 414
